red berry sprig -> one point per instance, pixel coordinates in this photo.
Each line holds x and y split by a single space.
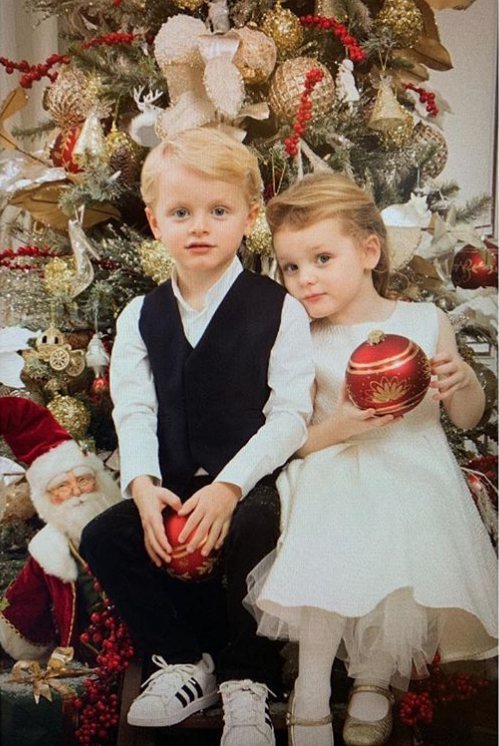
339 30
426 97
113 39
32 73
10 257
98 707
304 111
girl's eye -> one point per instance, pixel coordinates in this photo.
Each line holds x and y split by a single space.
219 212
323 258
180 212
288 269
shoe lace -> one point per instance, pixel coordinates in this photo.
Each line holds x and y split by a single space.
178 673
244 701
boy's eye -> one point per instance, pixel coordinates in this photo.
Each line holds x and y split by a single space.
180 212
323 258
220 211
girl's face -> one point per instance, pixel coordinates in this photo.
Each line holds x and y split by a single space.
326 269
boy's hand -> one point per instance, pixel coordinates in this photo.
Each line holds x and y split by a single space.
151 501
349 420
452 374
211 510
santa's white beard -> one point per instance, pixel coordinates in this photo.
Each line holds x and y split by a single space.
71 516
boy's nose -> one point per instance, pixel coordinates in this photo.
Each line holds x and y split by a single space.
198 224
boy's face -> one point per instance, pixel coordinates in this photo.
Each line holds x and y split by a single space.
200 220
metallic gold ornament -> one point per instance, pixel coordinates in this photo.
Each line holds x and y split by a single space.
58 275
124 155
284 28
256 55
52 348
71 413
190 5
399 135
426 135
287 88
155 260
403 18
387 113
71 98
330 9
91 145
260 239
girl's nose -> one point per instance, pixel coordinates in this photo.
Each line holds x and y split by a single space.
307 277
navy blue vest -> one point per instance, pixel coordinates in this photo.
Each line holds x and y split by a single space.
211 396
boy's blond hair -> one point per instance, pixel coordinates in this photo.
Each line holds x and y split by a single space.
322 196
210 152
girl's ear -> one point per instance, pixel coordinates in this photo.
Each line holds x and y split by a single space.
153 223
371 248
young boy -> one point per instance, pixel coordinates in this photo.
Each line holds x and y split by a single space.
210 376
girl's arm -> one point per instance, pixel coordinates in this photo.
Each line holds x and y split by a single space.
457 385
343 423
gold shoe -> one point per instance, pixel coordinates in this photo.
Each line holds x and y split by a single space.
368 732
291 720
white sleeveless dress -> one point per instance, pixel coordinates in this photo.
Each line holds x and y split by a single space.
381 530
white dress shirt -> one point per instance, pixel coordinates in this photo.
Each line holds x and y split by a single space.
287 410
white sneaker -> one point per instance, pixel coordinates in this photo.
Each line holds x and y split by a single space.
247 719
174 692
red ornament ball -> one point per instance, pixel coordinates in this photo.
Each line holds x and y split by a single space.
388 373
99 387
475 268
185 566
62 149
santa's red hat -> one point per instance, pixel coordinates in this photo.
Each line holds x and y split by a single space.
37 439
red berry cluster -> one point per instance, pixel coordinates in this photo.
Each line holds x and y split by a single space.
304 111
418 706
339 30
113 39
34 72
486 465
426 97
98 707
9 257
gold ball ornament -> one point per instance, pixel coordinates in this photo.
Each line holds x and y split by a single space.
124 155
425 135
155 260
71 98
284 27
403 18
256 55
260 239
288 84
72 414
190 5
59 275
399 135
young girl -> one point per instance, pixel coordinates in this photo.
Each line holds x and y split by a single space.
383 558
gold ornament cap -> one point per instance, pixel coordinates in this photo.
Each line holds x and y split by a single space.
375 337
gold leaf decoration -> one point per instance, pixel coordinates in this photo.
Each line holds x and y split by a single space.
12 103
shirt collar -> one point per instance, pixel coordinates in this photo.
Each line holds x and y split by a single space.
217 291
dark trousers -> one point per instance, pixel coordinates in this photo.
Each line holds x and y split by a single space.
180 620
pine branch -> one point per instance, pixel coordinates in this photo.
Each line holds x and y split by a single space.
474 208
32 133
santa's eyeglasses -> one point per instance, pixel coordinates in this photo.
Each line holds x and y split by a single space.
71 484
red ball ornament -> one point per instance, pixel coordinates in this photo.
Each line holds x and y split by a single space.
475 268
183 565
388 373
99 387
62 149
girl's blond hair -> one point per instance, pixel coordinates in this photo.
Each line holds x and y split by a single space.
322 196
209 152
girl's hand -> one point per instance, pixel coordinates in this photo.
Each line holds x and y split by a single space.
452 374
210 510
151 500
349 421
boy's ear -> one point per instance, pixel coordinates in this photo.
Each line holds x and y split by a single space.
251 219
372 251
153 223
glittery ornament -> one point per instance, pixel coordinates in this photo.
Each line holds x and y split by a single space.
58 275
284 28
403 19
399 135
176 43
388 373
91 145
425 135
287 88
71 413
51 347
124 155
190 5
155 260
260 239
256 55
18 505
62 149
71 98
330 9
387 113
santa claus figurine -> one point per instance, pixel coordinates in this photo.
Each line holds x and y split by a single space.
42 605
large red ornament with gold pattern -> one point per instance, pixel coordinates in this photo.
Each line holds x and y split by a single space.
475 268
388 373
62 149
185 566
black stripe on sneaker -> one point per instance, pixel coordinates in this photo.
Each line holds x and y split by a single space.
190 690
181 699
197 686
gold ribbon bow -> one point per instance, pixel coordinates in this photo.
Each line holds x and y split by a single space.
43 680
